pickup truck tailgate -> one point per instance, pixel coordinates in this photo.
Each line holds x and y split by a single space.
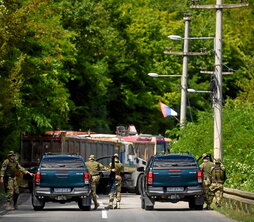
175 177
62 178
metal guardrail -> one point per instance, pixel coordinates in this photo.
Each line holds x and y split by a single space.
239 200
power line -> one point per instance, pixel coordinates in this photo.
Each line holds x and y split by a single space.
217 79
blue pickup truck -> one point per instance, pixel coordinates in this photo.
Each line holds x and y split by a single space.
61 178
172 178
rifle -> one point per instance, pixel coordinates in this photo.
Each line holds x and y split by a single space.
5 183
112 177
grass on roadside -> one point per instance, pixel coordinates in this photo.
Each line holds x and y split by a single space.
235 214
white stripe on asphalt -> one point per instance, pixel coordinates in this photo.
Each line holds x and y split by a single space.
104 213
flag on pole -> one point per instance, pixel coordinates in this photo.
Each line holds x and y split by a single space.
167 111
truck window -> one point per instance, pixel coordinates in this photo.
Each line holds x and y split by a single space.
62 163
160 149
171 163
131 150
149 164
105 160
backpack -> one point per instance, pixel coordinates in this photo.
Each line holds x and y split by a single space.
218 174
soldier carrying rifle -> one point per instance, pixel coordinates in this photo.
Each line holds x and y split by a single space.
8 176
116 179
218 174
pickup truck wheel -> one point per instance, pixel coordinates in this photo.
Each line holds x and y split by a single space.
85 208
138 189
149 207
37 204
82 207
142 203
36 208
192 204
198 207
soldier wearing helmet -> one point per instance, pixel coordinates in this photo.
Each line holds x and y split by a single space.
93 168
218 175
206 167
116 190
8 176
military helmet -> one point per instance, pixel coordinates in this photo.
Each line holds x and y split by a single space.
11 153
204 156
91 157
116 155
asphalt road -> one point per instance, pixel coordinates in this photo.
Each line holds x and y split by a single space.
130 212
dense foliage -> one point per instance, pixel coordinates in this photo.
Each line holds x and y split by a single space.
83 64
238 136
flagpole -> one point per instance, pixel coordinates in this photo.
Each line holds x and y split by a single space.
177 119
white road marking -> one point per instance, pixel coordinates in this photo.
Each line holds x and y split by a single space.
104 213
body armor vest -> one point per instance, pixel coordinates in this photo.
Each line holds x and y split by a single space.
218 175
11 169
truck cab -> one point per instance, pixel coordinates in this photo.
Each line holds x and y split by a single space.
172 178
62 178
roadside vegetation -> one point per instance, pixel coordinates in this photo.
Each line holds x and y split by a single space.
238 150
238 137
236 215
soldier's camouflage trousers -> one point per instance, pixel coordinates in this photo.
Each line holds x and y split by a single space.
217 190
12 188
118 193
208 194
94 182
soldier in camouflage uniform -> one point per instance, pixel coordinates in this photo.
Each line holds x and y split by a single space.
8 176
218 174
93 168
206 167
116 191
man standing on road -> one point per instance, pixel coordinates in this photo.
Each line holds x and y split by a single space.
206 167
218 174
93 168
8 176
116 190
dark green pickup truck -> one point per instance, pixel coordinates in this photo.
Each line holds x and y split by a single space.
62 178
172 178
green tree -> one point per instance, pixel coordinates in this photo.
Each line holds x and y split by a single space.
35 48
84 63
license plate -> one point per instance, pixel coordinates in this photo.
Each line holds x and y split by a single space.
62 190
175 189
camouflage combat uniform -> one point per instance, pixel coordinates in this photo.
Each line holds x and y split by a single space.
93 168
218 178
8 172
206 167
116 191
